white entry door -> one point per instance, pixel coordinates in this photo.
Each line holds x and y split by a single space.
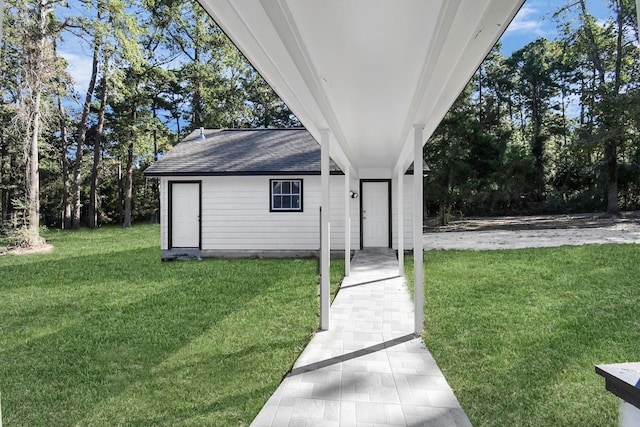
375 214
185 214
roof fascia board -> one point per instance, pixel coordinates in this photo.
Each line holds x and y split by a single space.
446 18
283 23
478 45
266 173
455 80
339 157
302 90
250 37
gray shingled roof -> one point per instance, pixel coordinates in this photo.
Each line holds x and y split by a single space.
242 152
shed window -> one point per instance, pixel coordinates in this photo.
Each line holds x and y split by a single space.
286 195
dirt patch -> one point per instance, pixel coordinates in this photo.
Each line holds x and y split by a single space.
537 222
36 249
534 232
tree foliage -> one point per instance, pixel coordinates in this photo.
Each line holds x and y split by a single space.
551 128
157 70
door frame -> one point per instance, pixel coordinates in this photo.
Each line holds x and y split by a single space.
170 211
389 199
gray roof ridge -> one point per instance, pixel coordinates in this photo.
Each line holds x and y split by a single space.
299 128
242 151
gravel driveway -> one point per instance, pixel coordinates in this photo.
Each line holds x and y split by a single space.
515 239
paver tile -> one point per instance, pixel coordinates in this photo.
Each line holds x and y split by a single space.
308 408
395 414
384 395
371 413
282 416
369 369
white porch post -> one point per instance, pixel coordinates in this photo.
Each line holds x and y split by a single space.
400 203
325 230
417 229
347 222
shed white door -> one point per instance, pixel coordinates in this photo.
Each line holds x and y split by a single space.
185 215
375 214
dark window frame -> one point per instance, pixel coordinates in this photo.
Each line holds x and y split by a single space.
290 193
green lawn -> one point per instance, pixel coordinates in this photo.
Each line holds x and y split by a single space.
101 332
517 333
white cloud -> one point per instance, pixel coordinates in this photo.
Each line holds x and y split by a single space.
79 68
529 21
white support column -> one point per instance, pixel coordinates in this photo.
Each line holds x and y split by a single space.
400 210
347 222
418 246
325 230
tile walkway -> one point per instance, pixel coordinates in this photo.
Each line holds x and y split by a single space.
369 369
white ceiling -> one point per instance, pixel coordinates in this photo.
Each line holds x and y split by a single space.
367 70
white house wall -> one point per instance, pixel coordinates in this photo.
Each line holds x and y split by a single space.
236 216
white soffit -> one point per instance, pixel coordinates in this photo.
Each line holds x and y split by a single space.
367 70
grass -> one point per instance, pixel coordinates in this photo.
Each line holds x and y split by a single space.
101 332
517 333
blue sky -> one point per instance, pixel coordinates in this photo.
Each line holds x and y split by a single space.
535 20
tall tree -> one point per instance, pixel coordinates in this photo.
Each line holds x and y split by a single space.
38 29
195 36
11 135
268 110
92 212
112 30
62 89
607 60
539 89
93 30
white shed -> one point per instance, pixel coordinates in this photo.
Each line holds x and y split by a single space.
370 80
257 192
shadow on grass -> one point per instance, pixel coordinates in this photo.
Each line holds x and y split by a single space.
123 338
517 333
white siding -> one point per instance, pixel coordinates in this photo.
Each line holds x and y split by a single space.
236 216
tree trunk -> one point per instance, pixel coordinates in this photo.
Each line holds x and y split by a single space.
33 177
594 51
35 59
120 193
198 113
65 215
92 214
4 199
7 192
445 213
128 191
611 147
537 146
611 157
156 182
608 117
82 134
